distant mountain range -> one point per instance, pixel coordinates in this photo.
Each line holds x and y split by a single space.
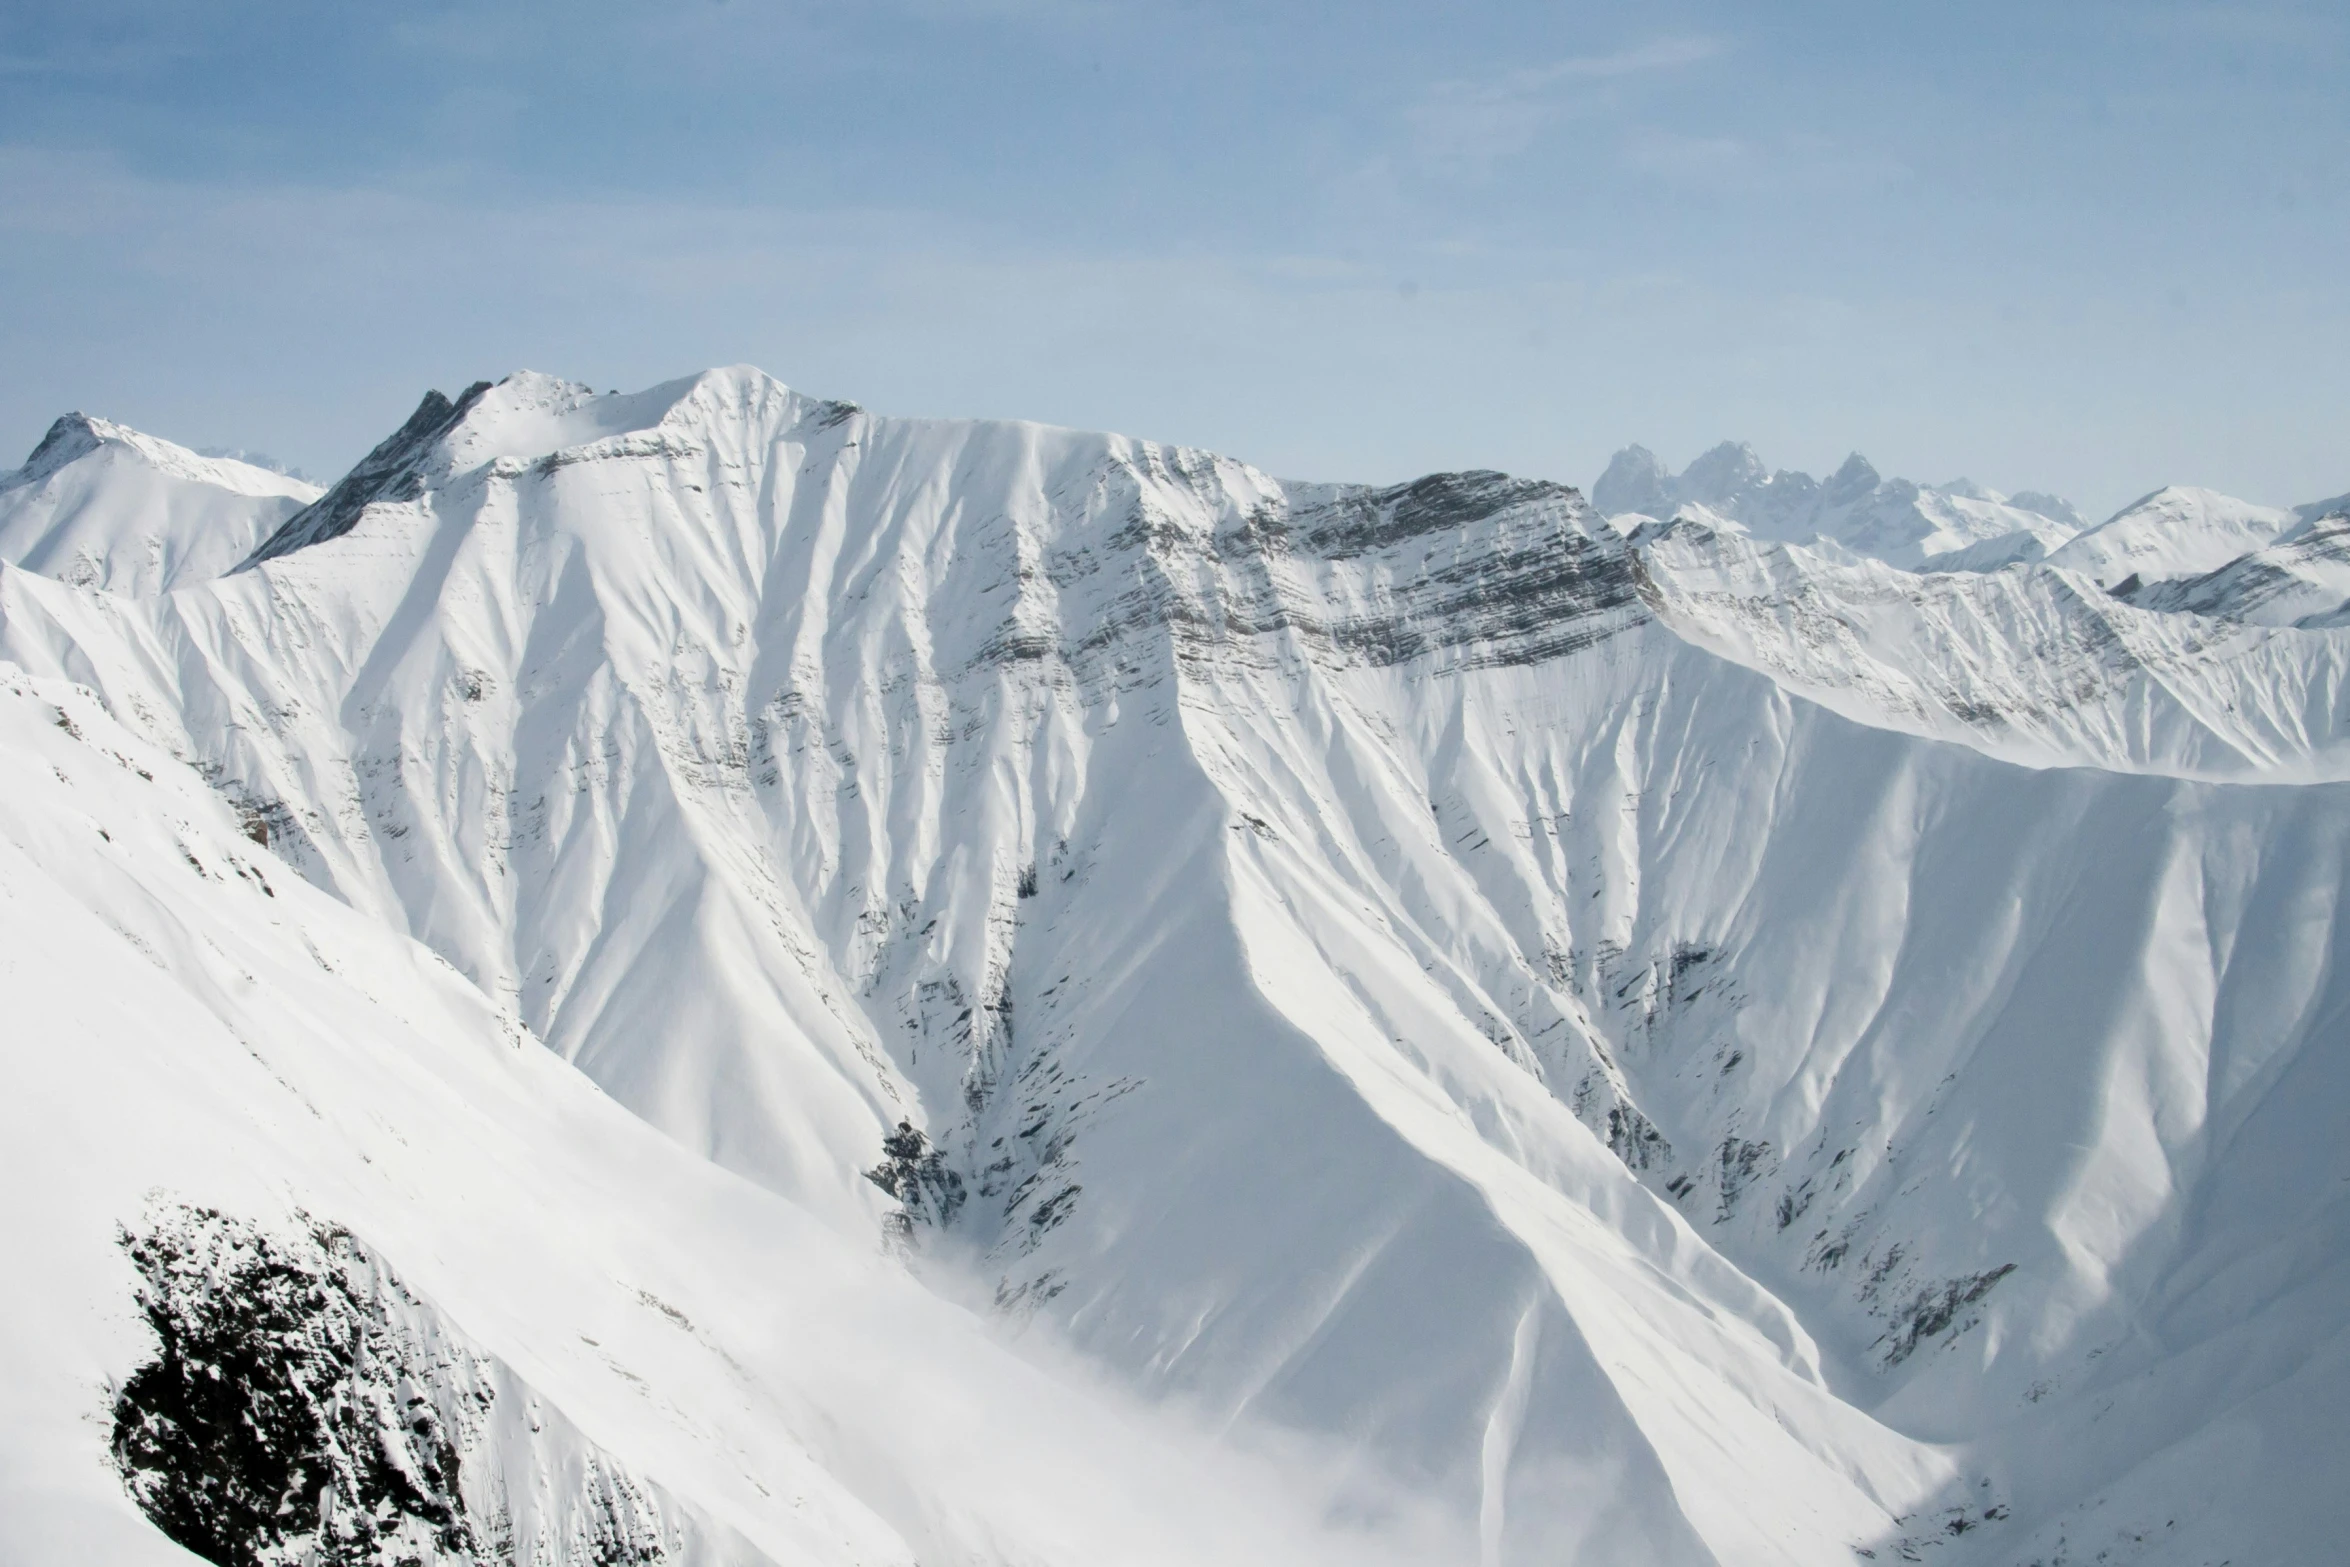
1959 526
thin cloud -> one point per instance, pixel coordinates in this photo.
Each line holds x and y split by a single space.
1766 166
1665 54
1470 125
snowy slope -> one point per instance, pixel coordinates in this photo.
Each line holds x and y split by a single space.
2033 666
2177 531
640 1358
1959 526
1680 1049
2303 579
104 506
2315 511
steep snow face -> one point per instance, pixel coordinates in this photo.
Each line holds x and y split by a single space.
103 506
1678 1049
257 1147
2177 531
1959 526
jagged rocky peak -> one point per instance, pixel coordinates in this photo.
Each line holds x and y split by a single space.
527 415
1727 471
1636 482
1957 526
388 473
1355 520
73 435
1856 480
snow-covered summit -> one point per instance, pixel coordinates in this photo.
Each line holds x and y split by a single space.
526 416
1957 526
2177 531
101 505
2300 579
75 436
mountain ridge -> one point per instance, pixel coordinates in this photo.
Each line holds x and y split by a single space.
1956 526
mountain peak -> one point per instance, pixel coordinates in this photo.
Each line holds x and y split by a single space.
1913 526
389 472
77 435
2179 530
1636 481
101 505
1855 480
73 435
526 416
1723 472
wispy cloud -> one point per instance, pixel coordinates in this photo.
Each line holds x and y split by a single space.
1470 125
1664 54
1775 165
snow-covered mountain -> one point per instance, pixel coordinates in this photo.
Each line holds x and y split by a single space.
253 1135
2303 579
1959 526
2032 666
2177 531
1684 1047
104 506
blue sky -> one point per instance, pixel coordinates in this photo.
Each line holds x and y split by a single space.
2084 247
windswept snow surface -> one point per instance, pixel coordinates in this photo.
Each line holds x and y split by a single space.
103 506
1679 1048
